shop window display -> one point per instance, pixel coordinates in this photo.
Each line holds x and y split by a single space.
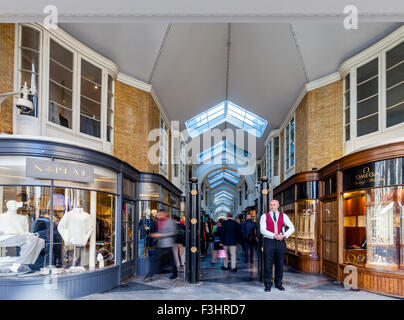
306 227
373 223
128 221
82 224
289 210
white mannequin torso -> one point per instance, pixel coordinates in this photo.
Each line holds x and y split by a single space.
13 223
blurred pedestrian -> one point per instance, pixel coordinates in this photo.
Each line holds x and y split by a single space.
179 245
230 237
217 245
166 232
249 231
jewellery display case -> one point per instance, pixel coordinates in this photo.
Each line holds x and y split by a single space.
299 195
306 227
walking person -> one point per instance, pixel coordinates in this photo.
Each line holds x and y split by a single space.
230 237
179 245
217 245
272 228
249 230
166 232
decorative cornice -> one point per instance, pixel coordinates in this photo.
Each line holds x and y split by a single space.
390 40
130 81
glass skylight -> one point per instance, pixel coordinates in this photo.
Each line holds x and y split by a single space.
230 112
224 194
224 146
224 175
220 182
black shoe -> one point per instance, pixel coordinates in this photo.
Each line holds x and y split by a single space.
148 277
234 270
281 288
267 289
224 268
173 276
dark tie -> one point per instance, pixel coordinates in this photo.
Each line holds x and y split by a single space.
274 216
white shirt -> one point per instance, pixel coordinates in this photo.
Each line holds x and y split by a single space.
75 227
269 234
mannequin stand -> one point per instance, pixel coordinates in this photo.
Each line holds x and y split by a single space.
75 268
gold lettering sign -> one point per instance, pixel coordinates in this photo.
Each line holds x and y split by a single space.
368 176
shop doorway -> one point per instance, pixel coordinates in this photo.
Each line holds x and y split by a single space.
330 238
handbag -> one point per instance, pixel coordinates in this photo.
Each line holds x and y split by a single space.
222 254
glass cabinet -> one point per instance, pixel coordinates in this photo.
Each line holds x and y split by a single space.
306 227
289 210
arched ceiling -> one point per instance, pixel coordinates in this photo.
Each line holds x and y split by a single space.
268 65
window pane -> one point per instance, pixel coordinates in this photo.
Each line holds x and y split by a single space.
367 107
347 133
367 125
29 60
90 102
395 55
395 95
276 156
347 115
367 89
60 85
395 75
348 99
90 72
367 71
347 82
395 115
30 38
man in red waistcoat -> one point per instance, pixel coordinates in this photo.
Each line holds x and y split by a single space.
272 227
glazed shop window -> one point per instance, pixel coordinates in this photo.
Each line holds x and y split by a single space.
147 225
82 226
276 156
128 227
29 64
60 85
90 99
373 228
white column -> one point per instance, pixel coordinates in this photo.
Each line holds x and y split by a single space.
93 212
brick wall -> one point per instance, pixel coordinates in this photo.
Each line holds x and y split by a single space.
6 75
319 128
326 125
135 115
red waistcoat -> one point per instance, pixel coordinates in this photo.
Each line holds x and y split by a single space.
271 225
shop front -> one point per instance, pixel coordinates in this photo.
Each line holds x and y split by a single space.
64 232
155 193
298 198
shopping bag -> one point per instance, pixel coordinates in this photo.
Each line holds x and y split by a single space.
222 254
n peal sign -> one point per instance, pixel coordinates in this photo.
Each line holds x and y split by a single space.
48 169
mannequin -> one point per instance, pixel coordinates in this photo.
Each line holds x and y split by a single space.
76 227
14 232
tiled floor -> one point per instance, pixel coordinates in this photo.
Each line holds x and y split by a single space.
217 284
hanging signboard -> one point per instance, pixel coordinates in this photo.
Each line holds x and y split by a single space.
57 170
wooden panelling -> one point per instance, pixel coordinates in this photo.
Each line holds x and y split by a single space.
390 283
303 263
330 269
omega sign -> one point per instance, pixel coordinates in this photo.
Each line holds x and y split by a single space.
368 176
47 169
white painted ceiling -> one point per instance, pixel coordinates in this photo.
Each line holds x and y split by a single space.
269 63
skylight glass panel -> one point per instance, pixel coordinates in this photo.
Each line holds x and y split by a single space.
223 182
223 175
231 149
230 112
223 194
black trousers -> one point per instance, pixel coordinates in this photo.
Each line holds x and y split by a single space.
162 254
274 253
249 250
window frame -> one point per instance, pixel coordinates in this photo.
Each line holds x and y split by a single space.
287 145
79 52
381 55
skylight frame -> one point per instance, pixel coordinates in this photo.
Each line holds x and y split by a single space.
224 181
226 111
